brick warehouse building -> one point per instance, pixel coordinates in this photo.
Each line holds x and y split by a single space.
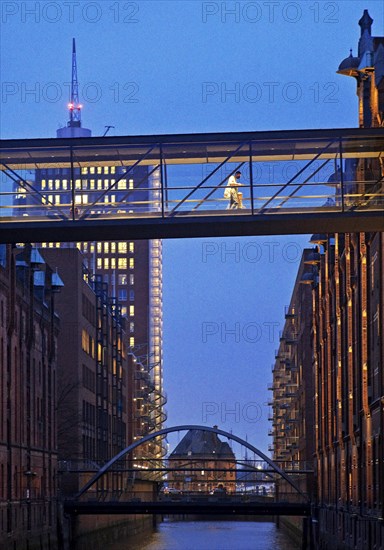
348 320
92 374
293 392
346 277
29 332
202 452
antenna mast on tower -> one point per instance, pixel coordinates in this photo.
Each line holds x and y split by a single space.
74 106
73 128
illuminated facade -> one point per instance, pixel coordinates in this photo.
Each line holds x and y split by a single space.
348 320
131 269
345 275
205 463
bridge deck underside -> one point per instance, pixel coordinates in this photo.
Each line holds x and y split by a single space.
180 507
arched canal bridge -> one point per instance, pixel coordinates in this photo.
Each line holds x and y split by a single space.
191 484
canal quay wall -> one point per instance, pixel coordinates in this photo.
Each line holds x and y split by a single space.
336 530
96 532
341 530
292 527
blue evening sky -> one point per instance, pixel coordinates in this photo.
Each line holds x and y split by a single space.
150 67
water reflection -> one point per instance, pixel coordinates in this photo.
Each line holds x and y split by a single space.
213 535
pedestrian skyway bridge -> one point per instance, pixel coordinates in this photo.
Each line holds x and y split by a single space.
171 186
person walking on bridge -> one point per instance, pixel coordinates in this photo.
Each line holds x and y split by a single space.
232 192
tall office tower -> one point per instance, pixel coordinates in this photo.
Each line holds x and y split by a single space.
348 320
132 269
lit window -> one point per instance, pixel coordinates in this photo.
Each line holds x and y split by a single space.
92 170
113 247
130 184
99 247
122 184
84 170
131 263
65 184
99 170
92 184
85 247
99 184
132 341
57 199
122 279
43 184
99 263
124 311
57 184
106 170
106 263
106 248
132 247
113 169
122 263
132 311
122 247
50 184
92 248
77 184
131 279
113 263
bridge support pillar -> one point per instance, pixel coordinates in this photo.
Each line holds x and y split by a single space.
307 540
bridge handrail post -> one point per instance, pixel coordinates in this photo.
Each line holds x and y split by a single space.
341 174
162 179
251 177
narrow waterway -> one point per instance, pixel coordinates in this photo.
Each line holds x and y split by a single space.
212 535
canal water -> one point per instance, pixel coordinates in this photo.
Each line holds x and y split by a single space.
212 535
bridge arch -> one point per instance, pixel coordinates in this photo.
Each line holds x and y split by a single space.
187 427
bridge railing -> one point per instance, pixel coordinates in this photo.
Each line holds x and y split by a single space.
312 198
187 479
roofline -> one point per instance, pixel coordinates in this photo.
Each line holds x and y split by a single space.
194 137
